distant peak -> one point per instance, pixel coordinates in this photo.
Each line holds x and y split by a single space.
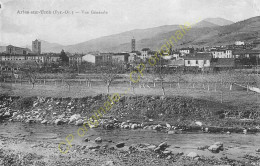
219 21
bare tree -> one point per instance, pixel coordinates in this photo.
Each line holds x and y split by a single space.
109 73
30 71
132 83
160 76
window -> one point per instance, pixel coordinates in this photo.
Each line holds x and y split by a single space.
188 62
197 62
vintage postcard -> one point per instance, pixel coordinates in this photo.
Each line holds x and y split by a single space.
129 82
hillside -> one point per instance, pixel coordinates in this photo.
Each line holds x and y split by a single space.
108 43
219 21
2 48
204 23
247 30
50 47
208 32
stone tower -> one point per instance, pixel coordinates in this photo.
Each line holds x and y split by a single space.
36 47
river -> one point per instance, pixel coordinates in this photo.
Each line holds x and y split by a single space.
236 145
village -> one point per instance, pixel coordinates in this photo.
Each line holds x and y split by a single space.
240 55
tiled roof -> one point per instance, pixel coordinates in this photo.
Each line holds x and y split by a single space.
118 54
145 49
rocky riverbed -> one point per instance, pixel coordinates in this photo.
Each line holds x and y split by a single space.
138 130
37 144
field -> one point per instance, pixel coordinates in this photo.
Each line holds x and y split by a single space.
209 91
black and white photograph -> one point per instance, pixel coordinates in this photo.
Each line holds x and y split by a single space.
129 83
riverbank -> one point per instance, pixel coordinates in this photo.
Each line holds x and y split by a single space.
36 144
141 111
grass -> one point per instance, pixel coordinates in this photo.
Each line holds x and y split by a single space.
235 97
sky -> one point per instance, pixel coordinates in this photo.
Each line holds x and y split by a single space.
20 29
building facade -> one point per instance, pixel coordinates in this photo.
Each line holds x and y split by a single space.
132 57
17 50
222 53
200 60
239 43
106 57
12 57
75 59
36 58
120 57
93 58
144 53
52 58
185 51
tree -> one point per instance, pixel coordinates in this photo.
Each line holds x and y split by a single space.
30 70
64 58
109 73
159 75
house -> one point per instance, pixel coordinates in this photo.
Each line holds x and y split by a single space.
247 58
75 58
93 58
238 43
17 50
173 56
176 63
246 53
12 57
221 53
132 57
185 51
120 57
146 53
106 57
223 64
200 60
36 58
52 58
18 57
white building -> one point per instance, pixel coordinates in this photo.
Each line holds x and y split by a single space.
185 51
222 53
173 56
12 57
96 59
239 43
200 60
145 53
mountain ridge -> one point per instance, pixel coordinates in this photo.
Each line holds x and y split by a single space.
208 32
